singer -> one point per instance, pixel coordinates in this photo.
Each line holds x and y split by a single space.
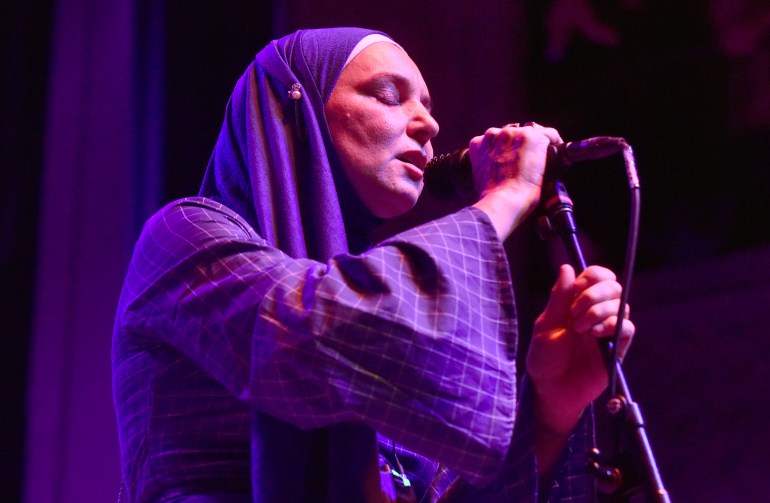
265 350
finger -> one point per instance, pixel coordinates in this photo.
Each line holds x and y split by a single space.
596 315
606 326
594 274
626 337
513 132
594 297
560 300
607 329
552 134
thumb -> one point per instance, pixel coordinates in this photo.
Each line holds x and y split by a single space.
560 301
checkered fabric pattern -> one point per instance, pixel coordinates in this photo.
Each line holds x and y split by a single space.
415 337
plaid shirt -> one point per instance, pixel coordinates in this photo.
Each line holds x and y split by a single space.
415 338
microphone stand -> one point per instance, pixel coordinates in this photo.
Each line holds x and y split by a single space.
633 470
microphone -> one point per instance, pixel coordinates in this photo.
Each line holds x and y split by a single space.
451 175
562 156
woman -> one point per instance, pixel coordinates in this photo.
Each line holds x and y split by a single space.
261 339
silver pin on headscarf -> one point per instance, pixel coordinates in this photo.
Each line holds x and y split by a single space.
295 94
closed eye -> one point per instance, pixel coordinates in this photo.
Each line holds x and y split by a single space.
388 95
387 88
393 89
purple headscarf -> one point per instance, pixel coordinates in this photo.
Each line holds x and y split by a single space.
274 162
275 165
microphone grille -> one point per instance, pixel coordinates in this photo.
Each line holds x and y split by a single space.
450 176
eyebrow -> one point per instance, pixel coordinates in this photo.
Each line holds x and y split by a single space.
401 80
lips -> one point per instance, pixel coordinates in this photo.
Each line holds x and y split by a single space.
416 158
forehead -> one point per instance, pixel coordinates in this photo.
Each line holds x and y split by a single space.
383 58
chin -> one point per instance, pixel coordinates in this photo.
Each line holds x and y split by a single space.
397 204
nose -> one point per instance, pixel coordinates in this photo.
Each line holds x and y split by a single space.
422 126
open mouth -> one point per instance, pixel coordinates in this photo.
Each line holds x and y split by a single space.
416 158
414 170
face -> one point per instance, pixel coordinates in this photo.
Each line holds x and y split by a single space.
379 117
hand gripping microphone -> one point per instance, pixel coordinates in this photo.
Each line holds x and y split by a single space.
451 175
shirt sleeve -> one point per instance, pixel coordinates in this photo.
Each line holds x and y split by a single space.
416 337
517 481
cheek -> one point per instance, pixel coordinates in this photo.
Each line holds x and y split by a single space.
373 132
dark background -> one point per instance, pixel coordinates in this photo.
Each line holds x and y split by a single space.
663 85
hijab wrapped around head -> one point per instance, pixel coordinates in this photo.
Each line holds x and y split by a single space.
275 165
274 162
